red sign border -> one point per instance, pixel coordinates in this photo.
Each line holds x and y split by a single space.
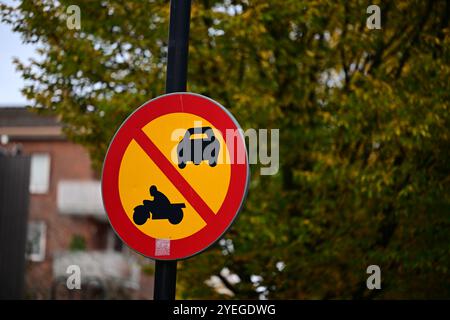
198 242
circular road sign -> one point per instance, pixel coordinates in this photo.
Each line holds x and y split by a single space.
175 176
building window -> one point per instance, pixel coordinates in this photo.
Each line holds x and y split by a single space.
40 173
36 236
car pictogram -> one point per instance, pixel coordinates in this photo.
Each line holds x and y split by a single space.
198 144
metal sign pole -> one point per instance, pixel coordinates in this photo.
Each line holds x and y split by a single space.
180 11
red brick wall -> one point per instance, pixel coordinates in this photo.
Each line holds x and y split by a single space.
67 161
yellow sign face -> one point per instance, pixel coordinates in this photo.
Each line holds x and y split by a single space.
138 172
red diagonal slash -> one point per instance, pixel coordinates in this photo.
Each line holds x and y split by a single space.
174 176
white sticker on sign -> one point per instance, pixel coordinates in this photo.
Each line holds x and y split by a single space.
162 247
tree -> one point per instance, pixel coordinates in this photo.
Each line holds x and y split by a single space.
363 117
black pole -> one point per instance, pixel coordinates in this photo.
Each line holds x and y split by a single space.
180 11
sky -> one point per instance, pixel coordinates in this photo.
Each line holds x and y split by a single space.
11 83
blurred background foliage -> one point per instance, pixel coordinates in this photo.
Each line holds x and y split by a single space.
364 129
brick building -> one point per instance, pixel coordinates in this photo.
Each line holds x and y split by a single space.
67 223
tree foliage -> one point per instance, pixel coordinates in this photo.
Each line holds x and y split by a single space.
363 117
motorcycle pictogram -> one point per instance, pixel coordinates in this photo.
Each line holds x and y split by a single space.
158 208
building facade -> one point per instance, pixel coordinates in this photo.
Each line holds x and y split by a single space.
67 223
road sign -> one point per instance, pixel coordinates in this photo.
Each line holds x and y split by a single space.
175 176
